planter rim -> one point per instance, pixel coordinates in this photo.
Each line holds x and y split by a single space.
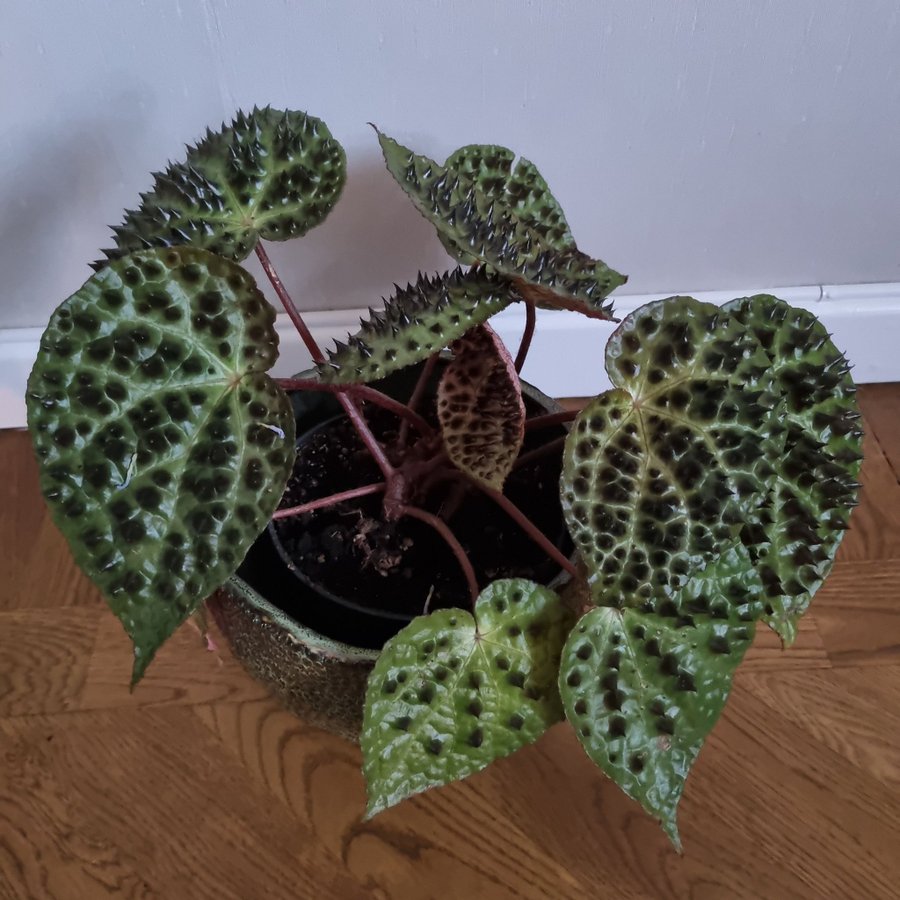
236 586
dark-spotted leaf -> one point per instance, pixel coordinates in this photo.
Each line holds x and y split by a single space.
163 445
417 321
644 686
518 185
272 174
487 212
814 485
480 408
662 471
452 692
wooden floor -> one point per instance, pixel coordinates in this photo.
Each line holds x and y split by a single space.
198 786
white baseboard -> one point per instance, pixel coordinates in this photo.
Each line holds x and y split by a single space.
566 358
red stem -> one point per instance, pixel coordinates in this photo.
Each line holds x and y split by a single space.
353 414
330 500
362 392
418 391
288 304
557 418
529 528
363 430
441 528
530 319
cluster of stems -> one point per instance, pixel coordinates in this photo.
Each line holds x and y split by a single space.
407 475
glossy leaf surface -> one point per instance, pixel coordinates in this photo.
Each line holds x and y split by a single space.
480 408
662 471
815 483
163 445
417 321
452 692
272 174
644 686
487 212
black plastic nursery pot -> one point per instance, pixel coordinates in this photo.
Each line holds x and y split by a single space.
312 643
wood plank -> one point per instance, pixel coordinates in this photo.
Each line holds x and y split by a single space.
180 814
857 612
44 659
199 785
875 524
318 777
880 404
854 712
183 672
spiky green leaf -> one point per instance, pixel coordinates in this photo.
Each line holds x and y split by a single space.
272 174
480 408
163 445
662 471
520 187
417 321
487 212
734 420
815 484
452 692
644 686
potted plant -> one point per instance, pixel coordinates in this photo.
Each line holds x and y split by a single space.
390 523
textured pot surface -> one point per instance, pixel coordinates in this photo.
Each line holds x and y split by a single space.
320 680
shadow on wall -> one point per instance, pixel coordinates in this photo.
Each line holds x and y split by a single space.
373 238
64 180
48 237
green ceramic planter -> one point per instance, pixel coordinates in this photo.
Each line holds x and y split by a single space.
321 680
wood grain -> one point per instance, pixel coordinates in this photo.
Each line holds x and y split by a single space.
199 785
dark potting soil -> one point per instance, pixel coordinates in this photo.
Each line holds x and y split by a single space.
405 567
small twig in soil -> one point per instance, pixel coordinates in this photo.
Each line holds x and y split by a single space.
330 500
557 418
441 528
428 601
551 447
360 392
417 394
527 334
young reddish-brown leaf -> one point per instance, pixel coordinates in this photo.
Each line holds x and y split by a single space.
480 408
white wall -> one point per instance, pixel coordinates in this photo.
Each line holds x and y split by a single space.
695 144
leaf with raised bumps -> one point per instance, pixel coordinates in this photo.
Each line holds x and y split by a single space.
664 469
416 322
486 212
452 692
814 485
272 174
644 686
163 445
480 408
520 186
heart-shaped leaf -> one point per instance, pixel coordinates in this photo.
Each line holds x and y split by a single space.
480 408
163 446
487 212
520 187
814 486
451 693
644 686
272 174
662 471
419 320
